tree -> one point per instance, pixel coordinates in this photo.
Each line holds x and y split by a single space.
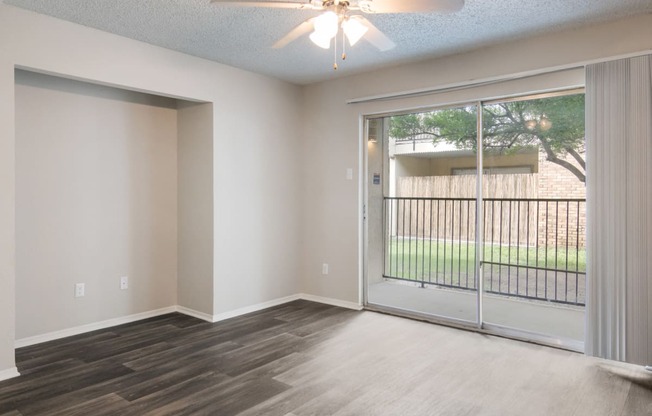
554 124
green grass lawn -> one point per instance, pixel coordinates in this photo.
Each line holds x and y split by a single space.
418 258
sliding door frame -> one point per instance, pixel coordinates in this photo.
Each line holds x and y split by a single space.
479 325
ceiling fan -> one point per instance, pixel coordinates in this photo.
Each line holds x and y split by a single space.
336 15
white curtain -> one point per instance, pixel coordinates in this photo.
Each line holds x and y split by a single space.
619 197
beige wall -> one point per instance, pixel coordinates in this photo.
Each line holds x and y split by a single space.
256 168
96 194
7 220
331 147
279 161
195 207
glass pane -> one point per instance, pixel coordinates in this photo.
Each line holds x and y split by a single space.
429 212
535 215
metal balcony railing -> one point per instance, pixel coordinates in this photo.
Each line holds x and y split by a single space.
533 248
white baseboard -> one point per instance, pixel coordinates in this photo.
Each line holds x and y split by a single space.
331 301
51 336
9 373
195 314
275 302
254 308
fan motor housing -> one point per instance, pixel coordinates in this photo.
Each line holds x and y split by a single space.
329 3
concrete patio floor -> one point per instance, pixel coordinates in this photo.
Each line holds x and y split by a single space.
547 319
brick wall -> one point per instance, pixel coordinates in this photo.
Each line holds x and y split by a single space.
555 181
561 223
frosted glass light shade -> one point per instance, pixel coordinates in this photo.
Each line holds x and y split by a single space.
326 24
326 27
354 30
321 40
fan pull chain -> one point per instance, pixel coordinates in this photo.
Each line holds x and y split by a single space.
335 53
343 47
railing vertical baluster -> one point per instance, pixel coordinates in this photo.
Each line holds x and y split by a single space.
545 247
390 231
395 232
430 246
518 242
536 255
403 243
577 254
476 279
443 263
459 249
556 243
527 250
416 247
423 245
416 244
452 239
410 242
468 230
500 247
493 242
567 236
509 250
484 244
384 219
437 255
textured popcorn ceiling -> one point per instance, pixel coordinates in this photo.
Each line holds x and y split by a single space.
242 37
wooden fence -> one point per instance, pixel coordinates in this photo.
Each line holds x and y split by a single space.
506 219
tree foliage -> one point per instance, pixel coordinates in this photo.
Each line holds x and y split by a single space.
555 125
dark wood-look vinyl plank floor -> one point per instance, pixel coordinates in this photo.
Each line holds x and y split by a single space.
305 358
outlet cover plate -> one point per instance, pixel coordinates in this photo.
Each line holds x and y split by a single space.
80 290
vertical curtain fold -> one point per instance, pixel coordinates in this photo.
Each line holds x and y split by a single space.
619 198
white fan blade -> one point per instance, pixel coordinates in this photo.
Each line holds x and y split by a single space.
295 33
269 4
375 36
411 6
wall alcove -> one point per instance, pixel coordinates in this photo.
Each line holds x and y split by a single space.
109 183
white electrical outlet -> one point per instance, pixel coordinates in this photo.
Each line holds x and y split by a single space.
324 268
124 282
349 174
80 290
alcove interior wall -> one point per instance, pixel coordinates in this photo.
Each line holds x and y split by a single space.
109 183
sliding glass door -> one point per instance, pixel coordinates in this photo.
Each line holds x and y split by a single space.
534 203
432 212
428 214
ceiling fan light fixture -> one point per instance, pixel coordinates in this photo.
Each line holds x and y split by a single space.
326 24
320 40
326 27
354 30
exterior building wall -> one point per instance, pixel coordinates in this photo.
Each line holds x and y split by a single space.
561 223
555 181
442 166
